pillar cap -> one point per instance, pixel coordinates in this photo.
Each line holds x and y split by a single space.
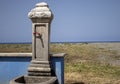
41 11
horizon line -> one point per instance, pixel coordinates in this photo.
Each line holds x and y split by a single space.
62 42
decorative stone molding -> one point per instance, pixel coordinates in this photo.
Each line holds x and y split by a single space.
41 10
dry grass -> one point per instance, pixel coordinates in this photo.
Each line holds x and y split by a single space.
89 64
80 78
91 74
15 48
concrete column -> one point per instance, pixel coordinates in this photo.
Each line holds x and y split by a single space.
41 17
39 71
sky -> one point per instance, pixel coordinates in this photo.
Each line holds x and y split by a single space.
74 20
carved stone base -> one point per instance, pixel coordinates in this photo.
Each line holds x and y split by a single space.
39 68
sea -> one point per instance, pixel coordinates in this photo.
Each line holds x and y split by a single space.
63 42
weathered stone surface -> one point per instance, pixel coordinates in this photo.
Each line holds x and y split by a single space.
39 71
41 68
40 11
41 43
34 80
28 55
15 54
40 80
41 17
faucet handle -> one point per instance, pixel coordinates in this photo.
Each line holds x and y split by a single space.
36 33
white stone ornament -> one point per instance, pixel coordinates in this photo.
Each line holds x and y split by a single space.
41 10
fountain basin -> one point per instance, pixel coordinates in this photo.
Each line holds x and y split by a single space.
34 80
18 80
9 62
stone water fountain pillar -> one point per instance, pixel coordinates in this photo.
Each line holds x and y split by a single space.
39 69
